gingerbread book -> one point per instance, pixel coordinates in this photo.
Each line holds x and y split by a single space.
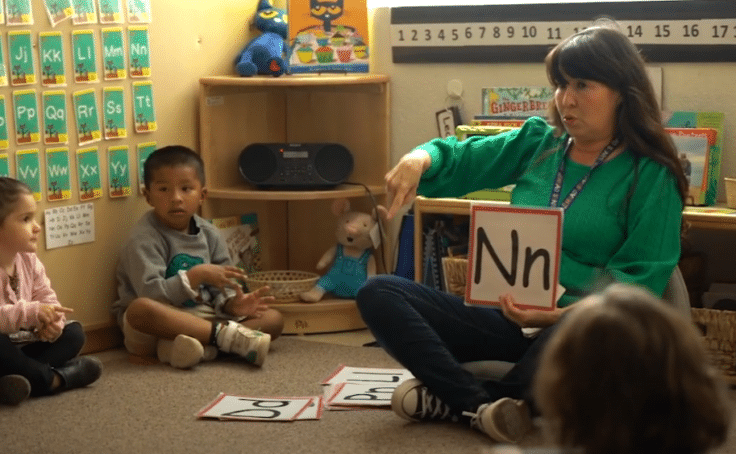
328 36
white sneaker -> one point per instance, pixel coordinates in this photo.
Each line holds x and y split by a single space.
505 420
413 402
183 352
252 345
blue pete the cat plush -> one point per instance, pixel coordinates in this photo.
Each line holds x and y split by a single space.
265 54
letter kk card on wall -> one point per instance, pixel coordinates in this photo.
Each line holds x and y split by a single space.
514 250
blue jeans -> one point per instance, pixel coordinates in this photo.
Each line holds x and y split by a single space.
36 360
431 333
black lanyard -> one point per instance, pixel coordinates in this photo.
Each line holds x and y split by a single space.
554 198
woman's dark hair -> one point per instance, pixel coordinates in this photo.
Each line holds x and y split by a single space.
10 191
603 54
170 156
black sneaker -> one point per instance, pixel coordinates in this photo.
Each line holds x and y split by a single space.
14 389
413 402
78 372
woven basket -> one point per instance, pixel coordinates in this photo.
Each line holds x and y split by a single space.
719 329
456 273
285 285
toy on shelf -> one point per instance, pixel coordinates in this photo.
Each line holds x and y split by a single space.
351 260
265 53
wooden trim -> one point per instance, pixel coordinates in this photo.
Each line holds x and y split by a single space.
102 336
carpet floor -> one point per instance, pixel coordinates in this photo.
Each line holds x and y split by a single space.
139 407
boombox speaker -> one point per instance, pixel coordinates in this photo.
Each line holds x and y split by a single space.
295 165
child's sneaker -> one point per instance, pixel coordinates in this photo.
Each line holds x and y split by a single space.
14 389
412 401
250 344
505 420
183 352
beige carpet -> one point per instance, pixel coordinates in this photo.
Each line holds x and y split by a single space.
150 408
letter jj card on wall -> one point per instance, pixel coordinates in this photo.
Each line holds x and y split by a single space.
514 250
69 225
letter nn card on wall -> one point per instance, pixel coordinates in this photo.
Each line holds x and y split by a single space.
328 36
514 250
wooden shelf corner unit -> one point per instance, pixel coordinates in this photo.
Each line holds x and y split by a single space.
295 226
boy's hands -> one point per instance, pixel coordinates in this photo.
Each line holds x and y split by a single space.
217 275
249 304
48 316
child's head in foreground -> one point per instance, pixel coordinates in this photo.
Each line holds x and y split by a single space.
625 373
174 185
18 227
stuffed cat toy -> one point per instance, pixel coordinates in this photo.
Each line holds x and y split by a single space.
351 259
265 54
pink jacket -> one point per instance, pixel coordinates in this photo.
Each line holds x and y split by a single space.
34 287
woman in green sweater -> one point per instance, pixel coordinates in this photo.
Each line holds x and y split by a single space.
606 160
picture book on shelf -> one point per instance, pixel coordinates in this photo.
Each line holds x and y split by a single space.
713 120
241 235
328 36
520 102
693 148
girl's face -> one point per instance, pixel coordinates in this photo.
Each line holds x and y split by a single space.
19 231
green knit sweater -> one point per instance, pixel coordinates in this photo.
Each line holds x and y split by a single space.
609 232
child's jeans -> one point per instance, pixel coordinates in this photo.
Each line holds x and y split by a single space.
36 360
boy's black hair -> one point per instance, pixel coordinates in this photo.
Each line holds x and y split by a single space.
10 190
170 156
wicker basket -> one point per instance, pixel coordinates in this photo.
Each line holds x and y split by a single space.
719 329
285 285
456 273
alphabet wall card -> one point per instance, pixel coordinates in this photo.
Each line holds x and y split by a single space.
26 117
58 174
58 10
111 12
4 140
140 61
69 225
514 250
19 12
85 56
118 171
113 54
139 11
85 12
88 171
3 72
22 67
257 408
4 165
143 110
51 51
54 118
88 123
29 170
144 151
113 100
328 36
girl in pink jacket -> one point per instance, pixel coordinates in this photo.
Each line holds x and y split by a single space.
38 347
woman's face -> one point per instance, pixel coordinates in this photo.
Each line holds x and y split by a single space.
587 109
